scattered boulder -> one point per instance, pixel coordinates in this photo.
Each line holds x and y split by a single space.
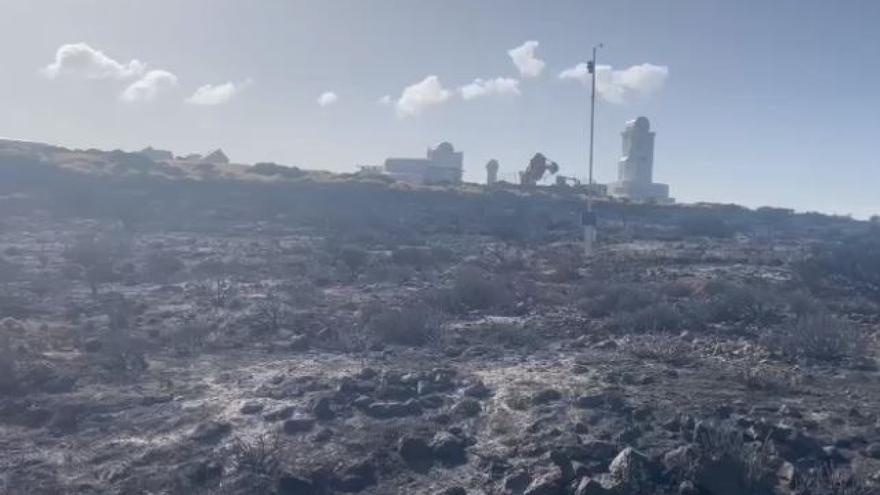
589 486
633 472
202 472
548 484
873 451
355 478
546 396
415 451
279 414
448 448
386 410
517 482
467 408
65 420
211 431
294 426
250 408
298 343
477 390
322 409
431 401
93 345
590 401
292 485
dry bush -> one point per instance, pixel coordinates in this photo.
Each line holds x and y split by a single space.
766 378
161 266
854 261
410 326
416 256
261 456
192 335
654 318
705 225
9 272
121 353
601 300
826 480
389 273
221 292
724 460
8 368
736 303
271 314
677 290
14 304
94 261
476 289
820 338
354 258
506 335
665 349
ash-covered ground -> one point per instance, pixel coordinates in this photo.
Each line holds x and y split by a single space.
177 336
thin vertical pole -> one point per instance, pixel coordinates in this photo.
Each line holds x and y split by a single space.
592 132
589 219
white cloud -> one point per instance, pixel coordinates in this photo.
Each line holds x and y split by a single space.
429 92
497 86
617 86
81 60
327 98
525 60
217 94
385 100
579 72
149 86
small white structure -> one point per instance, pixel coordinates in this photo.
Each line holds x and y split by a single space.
442 165
635 169
157 155
492 172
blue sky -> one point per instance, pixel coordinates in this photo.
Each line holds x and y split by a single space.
760 102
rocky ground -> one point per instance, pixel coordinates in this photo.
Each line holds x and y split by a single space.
701 356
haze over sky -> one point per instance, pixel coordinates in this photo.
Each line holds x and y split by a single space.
755 102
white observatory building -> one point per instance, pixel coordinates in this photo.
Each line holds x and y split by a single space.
442 164
635 169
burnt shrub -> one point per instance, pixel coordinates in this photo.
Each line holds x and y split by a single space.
476 289
766 378
722 461
419 256
15 304
121 353
9 272
411 326
729 302
602 300
506 335
8 368
705 225
827 479
161 266
354 258
662 348
854 262
271 314
820 338
659 317
94 261
273 169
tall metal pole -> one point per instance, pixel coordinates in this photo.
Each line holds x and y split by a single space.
589 218
592 67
